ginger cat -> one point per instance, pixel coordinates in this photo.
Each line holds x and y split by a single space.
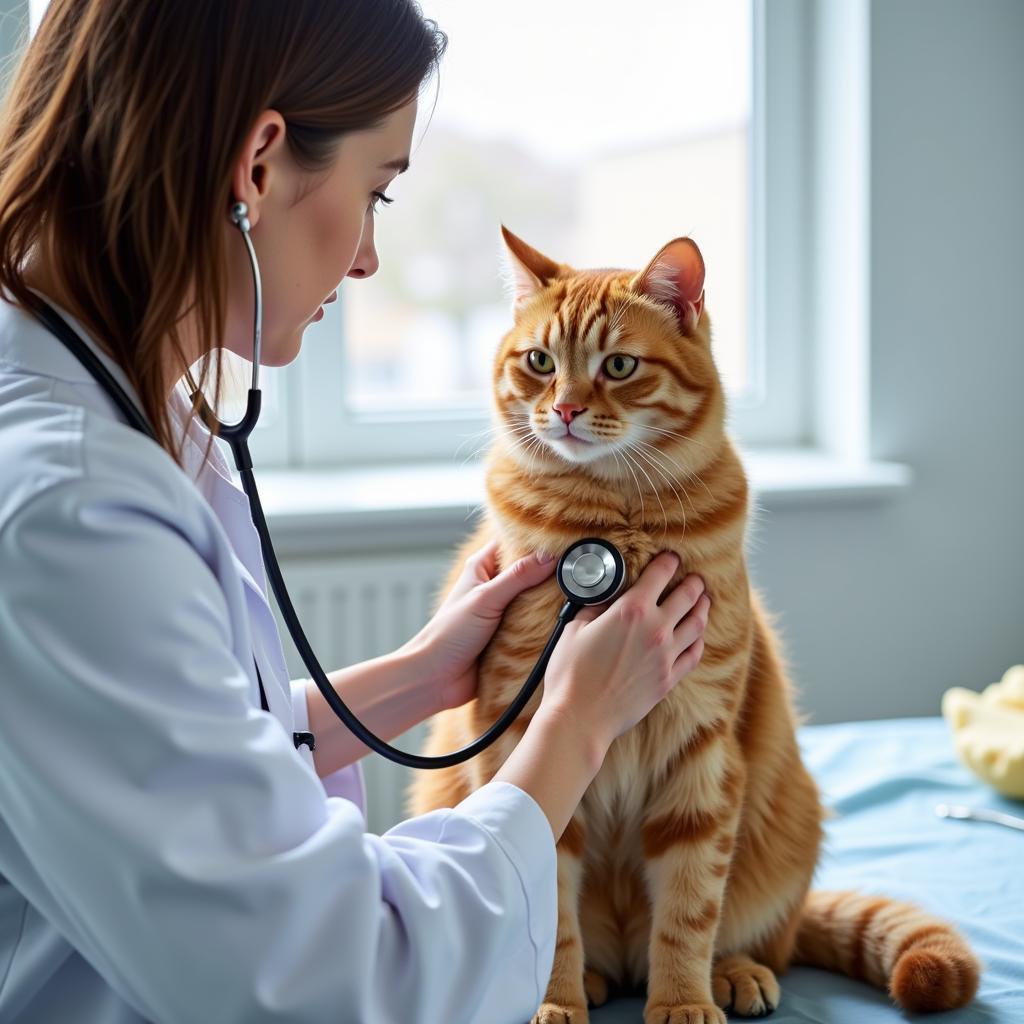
688 862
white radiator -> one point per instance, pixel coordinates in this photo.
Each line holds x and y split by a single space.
353 609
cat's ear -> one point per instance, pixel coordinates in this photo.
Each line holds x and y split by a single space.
675 278
526 270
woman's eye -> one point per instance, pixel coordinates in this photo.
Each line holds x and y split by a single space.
379 197
540 361
619 367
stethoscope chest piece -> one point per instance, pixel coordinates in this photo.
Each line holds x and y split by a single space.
591 571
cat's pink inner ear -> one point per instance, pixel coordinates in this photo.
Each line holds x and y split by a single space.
527 269
675 277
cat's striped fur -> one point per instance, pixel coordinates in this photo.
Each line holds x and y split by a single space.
689 859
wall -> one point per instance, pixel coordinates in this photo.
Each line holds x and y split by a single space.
884 605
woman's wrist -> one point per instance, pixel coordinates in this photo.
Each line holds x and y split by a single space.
589 745
387 694
554 763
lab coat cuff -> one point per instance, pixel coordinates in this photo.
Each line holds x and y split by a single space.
522 831
348 782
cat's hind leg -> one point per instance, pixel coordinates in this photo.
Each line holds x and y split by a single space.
595 985
744 987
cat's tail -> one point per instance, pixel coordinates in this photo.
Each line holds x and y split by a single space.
923 962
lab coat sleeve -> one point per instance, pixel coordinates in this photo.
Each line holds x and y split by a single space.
172 833
348 782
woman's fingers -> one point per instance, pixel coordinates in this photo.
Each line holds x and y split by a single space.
683 598
691 628
687 660
485 559
653 580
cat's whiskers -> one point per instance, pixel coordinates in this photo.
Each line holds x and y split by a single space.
636 480
473 454
535 446
673 433
653 452
689 474
515 433
656 490
679 501
490 429
531 445
617 460
496 429
668 480
524 444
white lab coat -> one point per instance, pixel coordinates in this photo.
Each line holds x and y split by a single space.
165 852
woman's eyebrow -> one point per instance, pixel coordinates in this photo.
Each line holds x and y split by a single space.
401 165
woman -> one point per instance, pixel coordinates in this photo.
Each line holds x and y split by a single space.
166 852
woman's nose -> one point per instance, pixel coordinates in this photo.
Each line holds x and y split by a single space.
366 261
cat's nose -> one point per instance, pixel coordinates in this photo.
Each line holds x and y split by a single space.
568 410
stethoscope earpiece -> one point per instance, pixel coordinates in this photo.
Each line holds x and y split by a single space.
240 216
591 571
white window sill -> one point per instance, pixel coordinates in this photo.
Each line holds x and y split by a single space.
353 510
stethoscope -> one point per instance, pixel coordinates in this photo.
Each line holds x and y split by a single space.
589 572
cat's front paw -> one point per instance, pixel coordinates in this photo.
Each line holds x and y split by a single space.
745 987
693 1013
561 1013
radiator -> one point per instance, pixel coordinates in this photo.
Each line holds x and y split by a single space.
353 609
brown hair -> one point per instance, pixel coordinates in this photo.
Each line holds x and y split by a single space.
121 129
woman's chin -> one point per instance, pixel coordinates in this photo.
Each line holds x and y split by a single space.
282 353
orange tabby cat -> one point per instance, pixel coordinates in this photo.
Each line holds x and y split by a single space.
689 858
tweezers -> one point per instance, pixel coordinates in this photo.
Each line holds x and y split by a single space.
975 814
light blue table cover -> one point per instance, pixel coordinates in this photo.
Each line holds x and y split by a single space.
883 779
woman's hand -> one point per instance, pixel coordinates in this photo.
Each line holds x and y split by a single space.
448 646
614 662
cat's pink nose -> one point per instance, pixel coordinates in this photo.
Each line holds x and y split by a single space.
568 410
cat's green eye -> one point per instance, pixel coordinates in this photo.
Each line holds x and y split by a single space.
540 361
619 367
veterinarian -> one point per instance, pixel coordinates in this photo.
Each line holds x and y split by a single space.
168 852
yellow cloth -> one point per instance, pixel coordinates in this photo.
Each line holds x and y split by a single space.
988 730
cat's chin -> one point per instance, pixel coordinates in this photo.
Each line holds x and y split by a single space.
591 458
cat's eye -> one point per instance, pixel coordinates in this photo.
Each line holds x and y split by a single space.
619 367
540 361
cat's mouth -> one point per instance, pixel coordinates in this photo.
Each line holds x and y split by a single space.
570 438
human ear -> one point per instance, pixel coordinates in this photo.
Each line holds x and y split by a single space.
256 165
